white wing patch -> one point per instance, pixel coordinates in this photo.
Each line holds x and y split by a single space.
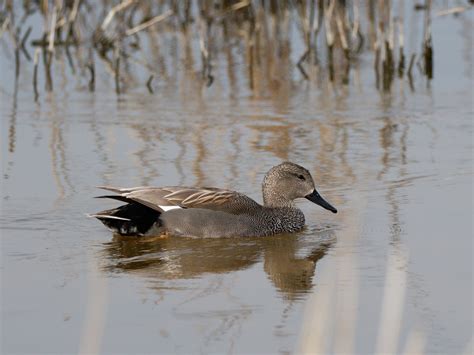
168 208
108 217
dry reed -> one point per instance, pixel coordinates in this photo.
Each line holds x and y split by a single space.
332 32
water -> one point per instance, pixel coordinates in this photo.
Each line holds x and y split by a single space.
397 256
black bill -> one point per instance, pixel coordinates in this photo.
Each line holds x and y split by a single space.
317 199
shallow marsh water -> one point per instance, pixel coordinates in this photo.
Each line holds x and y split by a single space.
397 166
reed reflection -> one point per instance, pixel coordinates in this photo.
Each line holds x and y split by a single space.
185 258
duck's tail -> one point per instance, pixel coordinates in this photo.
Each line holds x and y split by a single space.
131 219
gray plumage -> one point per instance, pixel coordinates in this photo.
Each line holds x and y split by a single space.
212 212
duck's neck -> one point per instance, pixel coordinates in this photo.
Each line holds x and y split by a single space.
275 200
278 203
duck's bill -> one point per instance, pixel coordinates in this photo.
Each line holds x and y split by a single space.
317 199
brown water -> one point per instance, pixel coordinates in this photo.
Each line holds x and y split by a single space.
398 167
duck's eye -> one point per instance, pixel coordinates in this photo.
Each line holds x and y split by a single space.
301 177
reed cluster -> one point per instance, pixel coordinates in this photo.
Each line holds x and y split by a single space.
334 33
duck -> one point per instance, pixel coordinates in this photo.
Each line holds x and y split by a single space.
210 212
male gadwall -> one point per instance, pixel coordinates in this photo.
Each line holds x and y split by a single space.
210 212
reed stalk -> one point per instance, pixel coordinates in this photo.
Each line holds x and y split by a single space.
117 72
262 30
35 73
427 42
91 68
401 39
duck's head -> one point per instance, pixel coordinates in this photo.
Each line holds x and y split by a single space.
288 181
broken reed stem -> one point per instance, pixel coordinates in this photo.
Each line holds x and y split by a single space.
35 73
149 23
117 8
452 11
148 84
23 41
299 64
231 8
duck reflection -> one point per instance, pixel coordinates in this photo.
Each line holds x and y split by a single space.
288 260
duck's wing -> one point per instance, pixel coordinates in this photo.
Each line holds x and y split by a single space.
165 198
